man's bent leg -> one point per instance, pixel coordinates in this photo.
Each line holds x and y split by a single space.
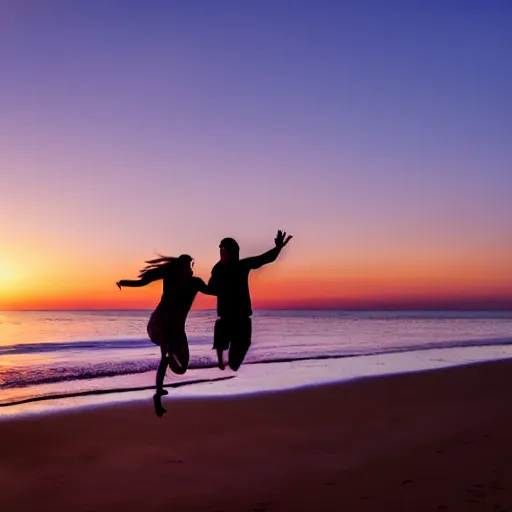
240 343
237 355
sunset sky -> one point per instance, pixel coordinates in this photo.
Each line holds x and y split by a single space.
378 133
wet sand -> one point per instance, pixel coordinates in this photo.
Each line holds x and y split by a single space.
437 440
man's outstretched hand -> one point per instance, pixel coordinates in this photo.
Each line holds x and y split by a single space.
281 239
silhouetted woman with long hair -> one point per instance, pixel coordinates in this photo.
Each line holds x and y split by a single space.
166 326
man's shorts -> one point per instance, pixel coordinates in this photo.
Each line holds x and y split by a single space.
235 333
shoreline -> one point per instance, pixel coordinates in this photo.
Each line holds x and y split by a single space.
432 440
252 379
507 310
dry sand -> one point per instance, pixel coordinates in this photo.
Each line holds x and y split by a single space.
438 440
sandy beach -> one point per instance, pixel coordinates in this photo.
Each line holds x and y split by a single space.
437 440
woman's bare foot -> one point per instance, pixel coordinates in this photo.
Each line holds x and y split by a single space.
159 408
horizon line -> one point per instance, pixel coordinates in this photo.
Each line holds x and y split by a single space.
349 309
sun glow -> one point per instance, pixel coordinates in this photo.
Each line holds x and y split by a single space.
9 275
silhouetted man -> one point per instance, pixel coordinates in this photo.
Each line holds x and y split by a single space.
230 282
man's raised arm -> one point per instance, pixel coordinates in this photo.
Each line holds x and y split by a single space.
268 257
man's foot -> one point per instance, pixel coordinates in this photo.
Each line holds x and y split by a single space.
159 409
162 392
220 360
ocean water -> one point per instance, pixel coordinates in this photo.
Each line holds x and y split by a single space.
92 353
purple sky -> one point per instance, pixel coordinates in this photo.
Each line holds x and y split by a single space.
374 131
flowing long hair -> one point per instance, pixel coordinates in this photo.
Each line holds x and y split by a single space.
168 266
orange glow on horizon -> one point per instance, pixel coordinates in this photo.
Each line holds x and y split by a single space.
57 282
277 292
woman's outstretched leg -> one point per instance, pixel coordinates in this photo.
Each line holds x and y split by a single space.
177 359
160 375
